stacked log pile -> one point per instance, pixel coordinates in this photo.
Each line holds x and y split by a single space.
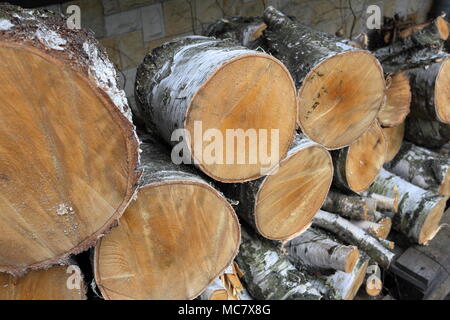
300 204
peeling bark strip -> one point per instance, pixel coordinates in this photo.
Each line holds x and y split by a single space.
315 249
282 204
220 86
417 49
426 169
352 234
425 133
62 105
351 207
333 94
269 275
431 92
420 211
180 228
245 30
357 166
398 101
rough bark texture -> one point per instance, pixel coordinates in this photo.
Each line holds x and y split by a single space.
414 207
423 85
269 275
78 50
425 133
244 30
315 249
351 207
426 169
350 233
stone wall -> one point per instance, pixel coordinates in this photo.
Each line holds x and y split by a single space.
130 28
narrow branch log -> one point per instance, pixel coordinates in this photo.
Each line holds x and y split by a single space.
430 92
350 233
197 83
55 283
269 275
398 101
394 137
282 204
178 222
420 211
332 93
377 229
425 133
315 249
386 203
357 166
69 151
426 169
351 207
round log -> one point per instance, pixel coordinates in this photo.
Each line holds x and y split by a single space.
282 204
419 212
394 138
68 149
201 84
336 103
173 241
315 249
426 169
268 275
431 92
357 166
398 101
55 283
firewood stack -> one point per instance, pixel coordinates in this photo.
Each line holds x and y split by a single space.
176 211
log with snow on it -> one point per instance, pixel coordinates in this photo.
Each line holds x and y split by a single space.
419 212
427 133
398 101
350 206
206 97
269 275
422 167
348 232
337 104
356 166
431 92
394 137
282 204
315 249
176 238
69 152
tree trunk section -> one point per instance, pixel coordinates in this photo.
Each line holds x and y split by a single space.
178 222
351 207
282 204
425 133
269 275
423 168
420 211
333 94
357 166
352 234
69 151
196 84
315 249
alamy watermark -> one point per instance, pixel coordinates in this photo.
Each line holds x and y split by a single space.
373 17
74 17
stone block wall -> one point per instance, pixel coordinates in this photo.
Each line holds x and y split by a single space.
130 28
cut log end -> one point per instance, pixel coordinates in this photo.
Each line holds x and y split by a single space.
50 284
442 93
254 91
66 150
365 158
154 253
394 137
337 96
398 101
442 27
352 260
444 189
288 200
432 223
360 274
